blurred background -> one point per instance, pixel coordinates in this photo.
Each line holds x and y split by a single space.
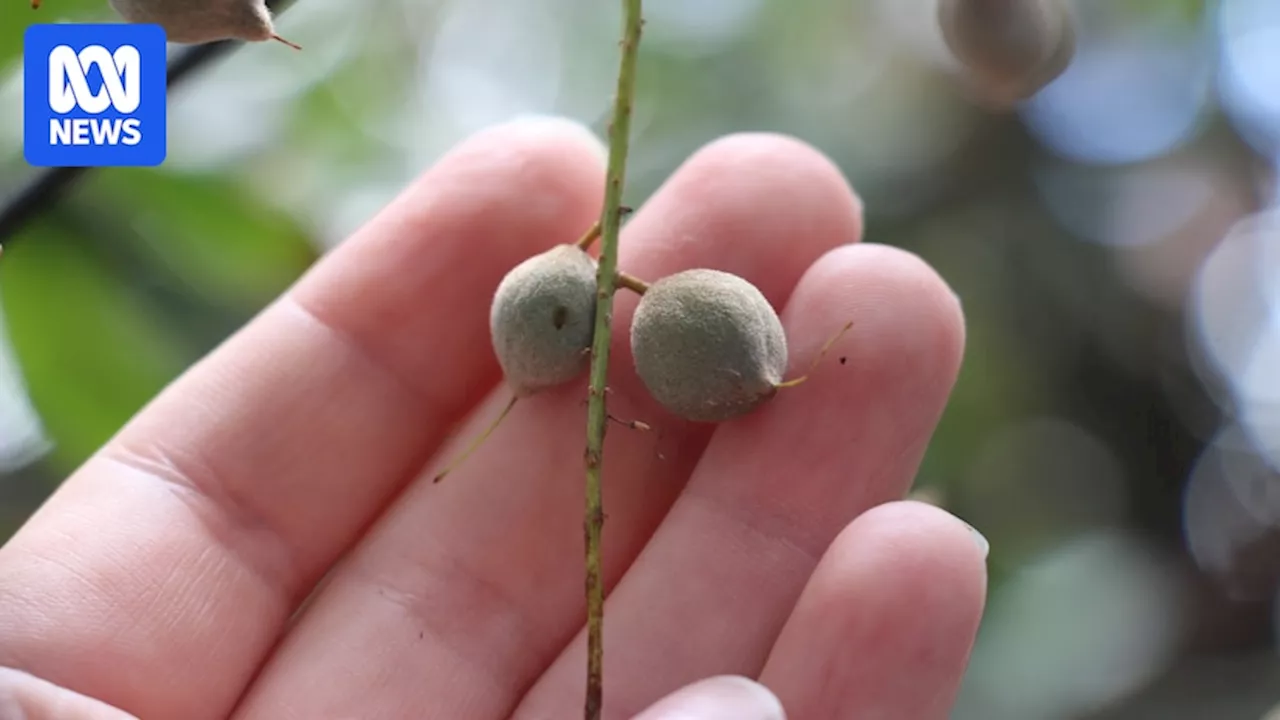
1116 241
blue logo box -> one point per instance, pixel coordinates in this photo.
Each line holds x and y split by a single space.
94 95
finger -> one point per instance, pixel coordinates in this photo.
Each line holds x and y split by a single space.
465 591
712 589
26 697
727 697
160 574
885 626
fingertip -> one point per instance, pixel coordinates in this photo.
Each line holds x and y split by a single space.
925 563
724 697
741 193
930 570
782 177
908 325
923 541
557 141
566 133
511 187
532 169
899 593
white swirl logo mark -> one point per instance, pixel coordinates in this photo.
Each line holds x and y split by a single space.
69 86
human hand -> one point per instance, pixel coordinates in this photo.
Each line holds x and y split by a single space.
167 576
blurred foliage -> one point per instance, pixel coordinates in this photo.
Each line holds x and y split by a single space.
91 353
1076 231
15 17
127 284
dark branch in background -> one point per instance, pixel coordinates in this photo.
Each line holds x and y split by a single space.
47 187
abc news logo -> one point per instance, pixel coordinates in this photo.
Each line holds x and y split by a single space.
94 95
69 89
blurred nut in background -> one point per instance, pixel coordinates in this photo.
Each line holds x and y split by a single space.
1011 48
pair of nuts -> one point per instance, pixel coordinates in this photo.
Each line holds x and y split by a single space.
707 344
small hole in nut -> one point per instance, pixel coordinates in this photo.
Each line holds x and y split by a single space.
560 316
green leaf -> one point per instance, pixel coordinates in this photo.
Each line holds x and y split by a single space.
91 353
208 230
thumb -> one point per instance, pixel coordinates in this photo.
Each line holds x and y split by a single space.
726 697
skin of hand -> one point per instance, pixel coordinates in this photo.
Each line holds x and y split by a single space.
263 540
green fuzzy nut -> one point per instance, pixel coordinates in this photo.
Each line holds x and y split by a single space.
1013 47
542 319
707 345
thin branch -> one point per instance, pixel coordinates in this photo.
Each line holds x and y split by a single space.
597 415
49 184
632 283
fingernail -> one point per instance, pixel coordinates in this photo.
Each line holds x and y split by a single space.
979 539
726 697
537 122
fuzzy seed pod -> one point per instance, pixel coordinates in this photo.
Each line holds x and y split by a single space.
1013 48
707 345
201 21
542 319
